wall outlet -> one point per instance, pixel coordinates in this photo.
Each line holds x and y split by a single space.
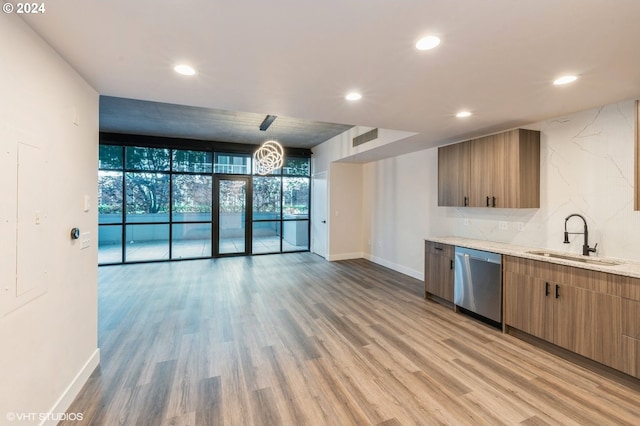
465 222
503 225
520 226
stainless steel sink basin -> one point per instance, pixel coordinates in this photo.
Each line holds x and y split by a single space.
581 259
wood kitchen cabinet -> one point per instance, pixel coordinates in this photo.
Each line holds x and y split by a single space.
588 323
501 170
453 174
530 292
438 270
488 171
630 292
574 308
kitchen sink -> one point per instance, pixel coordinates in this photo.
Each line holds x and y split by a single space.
575 258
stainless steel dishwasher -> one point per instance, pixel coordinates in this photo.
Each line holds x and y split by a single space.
478 282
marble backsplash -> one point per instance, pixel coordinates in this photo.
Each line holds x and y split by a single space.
587 167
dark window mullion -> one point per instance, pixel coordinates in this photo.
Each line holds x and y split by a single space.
171 204
214 206
124 205
281 210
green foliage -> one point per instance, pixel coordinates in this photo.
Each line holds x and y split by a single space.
110 157
149 159
297 166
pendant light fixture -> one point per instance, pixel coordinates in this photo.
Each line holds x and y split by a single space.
267 158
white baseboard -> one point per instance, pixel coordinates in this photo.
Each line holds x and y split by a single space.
398 268
345 256
64 402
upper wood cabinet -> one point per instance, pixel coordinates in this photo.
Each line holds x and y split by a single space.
488 171
453 174
501 170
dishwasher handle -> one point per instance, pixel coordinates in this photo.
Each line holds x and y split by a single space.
483 259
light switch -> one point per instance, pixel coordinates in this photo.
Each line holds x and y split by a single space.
85 240
37 217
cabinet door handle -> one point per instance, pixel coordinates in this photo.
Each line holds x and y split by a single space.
487 201
438 248
494 201
466 201
557 291
451 264
546 289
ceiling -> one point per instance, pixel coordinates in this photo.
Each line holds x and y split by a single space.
295 58
122 115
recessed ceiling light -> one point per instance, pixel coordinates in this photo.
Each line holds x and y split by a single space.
427 43
463 114
184 69
565 79
353 96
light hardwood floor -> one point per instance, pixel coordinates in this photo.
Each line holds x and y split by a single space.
293 339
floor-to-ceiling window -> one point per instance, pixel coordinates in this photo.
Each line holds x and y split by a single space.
191 204
281 208
166 204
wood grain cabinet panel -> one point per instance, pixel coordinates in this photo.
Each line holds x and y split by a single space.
574 308
487 171
501 170
453 175
438 272
631 356
523 290
631 318
631 331
588 323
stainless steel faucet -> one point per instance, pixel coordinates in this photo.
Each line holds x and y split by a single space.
585 247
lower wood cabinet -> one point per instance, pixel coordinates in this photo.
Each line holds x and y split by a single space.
630 291
527 305
438 270
574 308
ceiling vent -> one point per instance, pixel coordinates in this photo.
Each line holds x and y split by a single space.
365 137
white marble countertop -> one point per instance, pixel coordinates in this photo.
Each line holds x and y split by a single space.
625 267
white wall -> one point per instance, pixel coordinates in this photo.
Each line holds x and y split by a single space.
398 195
586 167
341 161
49 343
345 211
